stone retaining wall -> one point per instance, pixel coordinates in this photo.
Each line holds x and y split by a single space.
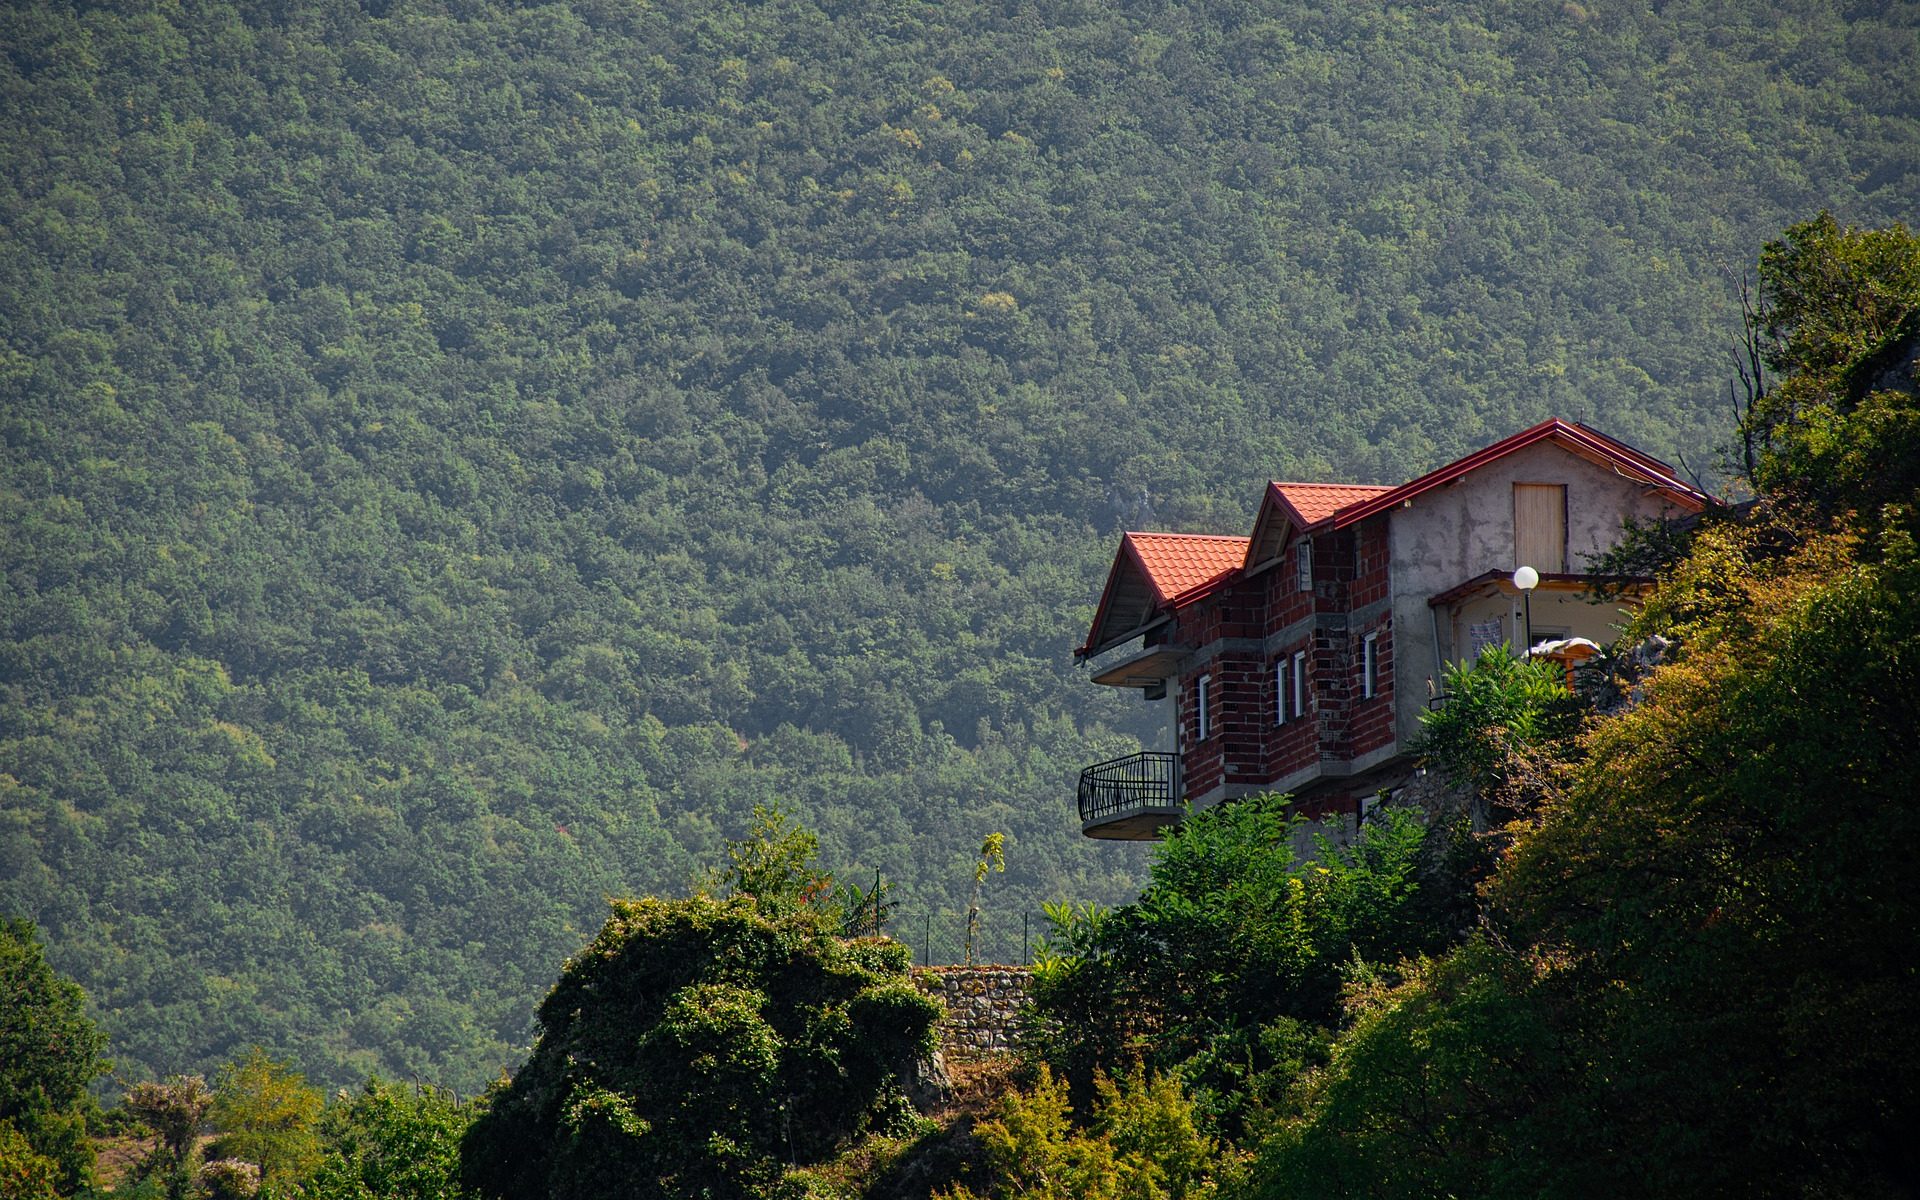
983 1007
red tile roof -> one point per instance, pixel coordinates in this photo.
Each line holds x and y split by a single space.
1314 502
1578 439
1179 563
1154 570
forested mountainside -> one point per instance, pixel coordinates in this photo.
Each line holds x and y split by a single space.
458 458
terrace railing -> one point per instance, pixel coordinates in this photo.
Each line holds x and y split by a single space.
1123 786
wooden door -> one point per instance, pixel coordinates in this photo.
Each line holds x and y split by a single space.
1540 527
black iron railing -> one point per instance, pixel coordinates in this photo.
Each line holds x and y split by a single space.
1121 785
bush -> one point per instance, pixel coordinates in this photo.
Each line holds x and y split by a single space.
1229 967
1501 710
1145 1144
696 1046
392 1141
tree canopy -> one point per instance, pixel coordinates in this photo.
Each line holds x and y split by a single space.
458 458
49 1055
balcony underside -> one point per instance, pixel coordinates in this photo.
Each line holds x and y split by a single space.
1138 825
1150 667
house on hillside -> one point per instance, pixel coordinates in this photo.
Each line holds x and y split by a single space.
1299 659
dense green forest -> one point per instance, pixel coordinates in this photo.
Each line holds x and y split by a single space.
1650 936
458 458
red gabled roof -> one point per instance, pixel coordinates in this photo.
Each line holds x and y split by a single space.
1156 571
1577 439
1179 563
1299 505
1152 571
1312 503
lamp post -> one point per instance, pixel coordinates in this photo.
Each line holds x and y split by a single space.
1526 579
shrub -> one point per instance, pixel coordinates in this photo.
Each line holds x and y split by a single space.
695 1047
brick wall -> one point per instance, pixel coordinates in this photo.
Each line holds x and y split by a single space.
1248 745
1370 723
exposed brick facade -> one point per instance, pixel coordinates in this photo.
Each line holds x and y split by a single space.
1312 671
1248 636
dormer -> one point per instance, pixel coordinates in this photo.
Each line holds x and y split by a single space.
1152 577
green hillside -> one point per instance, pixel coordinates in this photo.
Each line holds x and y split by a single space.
458 458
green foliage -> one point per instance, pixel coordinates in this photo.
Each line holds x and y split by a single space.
391 1141
695 1046
1840 314
1695 977
230 1179
864 912
993 857
1438 1087
1501 711
49 1053
777 863
457 460
1144 1144
1642 550
1229 967
266 1114
174 1110
25 1173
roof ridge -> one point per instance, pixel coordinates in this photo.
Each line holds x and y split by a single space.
1358 487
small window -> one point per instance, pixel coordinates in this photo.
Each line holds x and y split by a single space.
1280 691
1303 563
1299 681
1369 666
1202 697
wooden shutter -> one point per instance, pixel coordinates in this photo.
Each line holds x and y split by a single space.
1540 527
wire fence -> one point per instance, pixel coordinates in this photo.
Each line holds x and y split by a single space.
938 937
941 937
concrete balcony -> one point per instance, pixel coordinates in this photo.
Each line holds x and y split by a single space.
1130 799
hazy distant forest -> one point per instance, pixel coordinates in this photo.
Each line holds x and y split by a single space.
457 458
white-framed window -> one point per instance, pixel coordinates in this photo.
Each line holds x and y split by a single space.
1299 683
1303 563
1202 703
1369 666
1280 691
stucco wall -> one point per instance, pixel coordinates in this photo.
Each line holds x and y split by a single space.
1455 532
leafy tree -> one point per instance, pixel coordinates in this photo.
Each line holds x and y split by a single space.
174 1110
992 858
1503 716
1229 968
267 1115
777 863
25 1173
391 1141
696 1045
49 1053
1840 312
